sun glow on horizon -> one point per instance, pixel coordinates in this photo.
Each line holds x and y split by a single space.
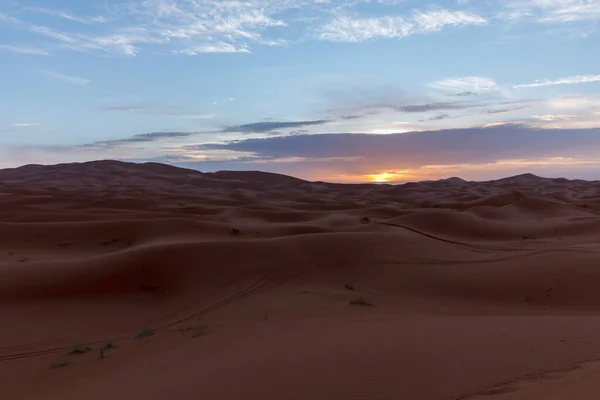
384 177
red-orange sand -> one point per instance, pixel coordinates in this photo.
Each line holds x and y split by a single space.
485 290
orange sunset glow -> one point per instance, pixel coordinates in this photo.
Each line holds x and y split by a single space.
384 177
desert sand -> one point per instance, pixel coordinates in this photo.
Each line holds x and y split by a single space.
250 285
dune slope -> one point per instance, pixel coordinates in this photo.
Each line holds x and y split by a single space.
291 289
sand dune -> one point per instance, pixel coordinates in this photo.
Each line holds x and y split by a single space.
246 279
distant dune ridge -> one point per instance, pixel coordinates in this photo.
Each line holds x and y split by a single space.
293 289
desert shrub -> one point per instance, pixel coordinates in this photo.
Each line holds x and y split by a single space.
59 364
79 349
199 331
144 333
108 345
360 301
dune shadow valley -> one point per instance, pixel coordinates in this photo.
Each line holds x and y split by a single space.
149 281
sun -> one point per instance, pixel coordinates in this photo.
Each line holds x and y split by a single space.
381 178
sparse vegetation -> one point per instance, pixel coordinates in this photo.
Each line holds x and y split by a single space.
144 333
59 364
349 286
365 220
236 232
108 345
361 301
199 331
23 259
194 331
79 349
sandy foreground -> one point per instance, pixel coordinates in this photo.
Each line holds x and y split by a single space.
260 286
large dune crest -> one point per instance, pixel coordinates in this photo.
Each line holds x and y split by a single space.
292 289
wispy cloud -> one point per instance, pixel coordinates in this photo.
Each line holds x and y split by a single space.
20 126
75 80
54 34
196 27
222 102
67 15
163 109
553 11
8 18
209 26
465 86
554 117
213 48
270 126
140 138
570 80
26 125
423 108
346 29
25 50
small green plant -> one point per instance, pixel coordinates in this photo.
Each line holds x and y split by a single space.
144 333
79 349
59 364
360 301
108 345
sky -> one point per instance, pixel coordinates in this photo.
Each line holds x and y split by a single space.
331 90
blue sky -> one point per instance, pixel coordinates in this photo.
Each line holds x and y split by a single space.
216 85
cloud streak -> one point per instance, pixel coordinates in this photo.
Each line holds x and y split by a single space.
21 126
74 80
570 80
423 108
347 29
554 11
270 126
66 15
465 86
213 48
26 125
163 109
140 138
25 50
